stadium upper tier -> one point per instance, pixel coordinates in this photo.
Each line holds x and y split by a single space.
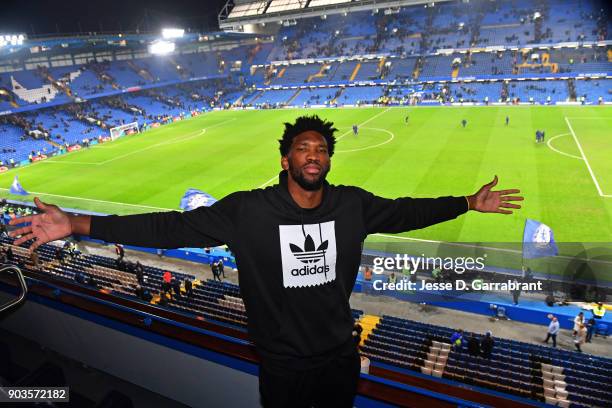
440 43
454 66
64 85
447 25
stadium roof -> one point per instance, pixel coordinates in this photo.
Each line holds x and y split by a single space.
238 13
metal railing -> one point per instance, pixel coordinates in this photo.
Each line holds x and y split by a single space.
22 283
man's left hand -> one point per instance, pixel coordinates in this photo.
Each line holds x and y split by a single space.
489 201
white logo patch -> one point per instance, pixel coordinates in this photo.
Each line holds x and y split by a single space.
308 253
541 236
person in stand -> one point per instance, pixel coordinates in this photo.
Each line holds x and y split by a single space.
188 287
367 273
457 339
139 270
473 345
553 329
598 311
9 254
486 345
35 259
214 267
120 252
176 287
59 254
306 359
166 282
580 337
516 293
221 268
357 330
591 325
578 321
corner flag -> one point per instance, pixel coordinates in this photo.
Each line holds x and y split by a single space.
16 187
538 240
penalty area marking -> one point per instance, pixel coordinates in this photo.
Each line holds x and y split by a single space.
549 144
178 139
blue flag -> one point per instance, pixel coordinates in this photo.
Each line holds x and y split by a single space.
195 198
16 187
538 240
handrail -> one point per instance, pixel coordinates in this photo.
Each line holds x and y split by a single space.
24 287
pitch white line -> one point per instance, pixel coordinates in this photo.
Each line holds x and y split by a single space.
68 162
166 142
586 161
96 201
337 139
373 146
268 182
361 124
144 149
548 143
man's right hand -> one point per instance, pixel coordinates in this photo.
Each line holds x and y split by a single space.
50 225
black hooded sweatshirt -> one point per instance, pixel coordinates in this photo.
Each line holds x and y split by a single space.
297 266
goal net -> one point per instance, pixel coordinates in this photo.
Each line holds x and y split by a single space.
127 129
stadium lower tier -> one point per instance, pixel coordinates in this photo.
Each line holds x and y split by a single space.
531 372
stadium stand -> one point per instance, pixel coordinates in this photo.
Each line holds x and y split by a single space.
215 300
531 371
557 377
539 91
592 89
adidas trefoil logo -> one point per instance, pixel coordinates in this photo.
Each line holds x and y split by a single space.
309 254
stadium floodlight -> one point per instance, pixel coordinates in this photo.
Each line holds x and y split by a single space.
161 47
169 33
11 39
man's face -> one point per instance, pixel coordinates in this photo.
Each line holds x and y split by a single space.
308 160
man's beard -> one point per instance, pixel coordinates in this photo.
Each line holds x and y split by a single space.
298 176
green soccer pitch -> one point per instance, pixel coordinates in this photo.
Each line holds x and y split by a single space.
566 181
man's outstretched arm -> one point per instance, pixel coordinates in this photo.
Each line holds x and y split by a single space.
486 200
405 214
50 225
205 226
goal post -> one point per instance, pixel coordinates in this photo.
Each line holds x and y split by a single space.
127 129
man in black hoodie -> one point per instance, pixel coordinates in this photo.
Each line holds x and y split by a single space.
298 244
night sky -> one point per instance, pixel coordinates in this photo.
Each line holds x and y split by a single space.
38 17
